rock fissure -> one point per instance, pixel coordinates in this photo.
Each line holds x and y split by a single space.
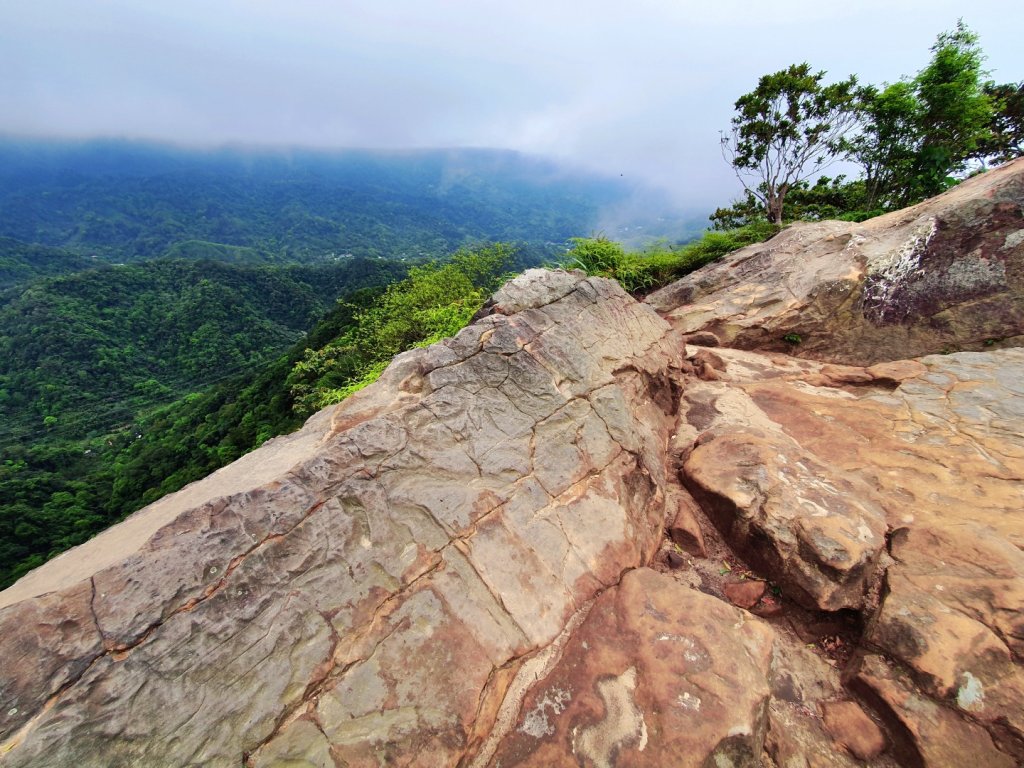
309 695
121 650
544 659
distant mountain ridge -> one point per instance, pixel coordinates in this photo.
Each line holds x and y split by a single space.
123 201
21 262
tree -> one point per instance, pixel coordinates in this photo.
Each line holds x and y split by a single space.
886 145
955 109
788 128
1006 129
826 198
916 135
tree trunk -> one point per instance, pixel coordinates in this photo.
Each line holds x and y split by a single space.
774 201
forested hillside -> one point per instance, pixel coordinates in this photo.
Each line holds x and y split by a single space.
83 351
114 448
22 262
125 201
86 359
143 288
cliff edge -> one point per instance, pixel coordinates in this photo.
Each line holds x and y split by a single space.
759 519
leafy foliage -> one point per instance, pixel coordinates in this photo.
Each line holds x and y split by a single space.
955 109
786 129
1006 131
885 145
913 138
84 352
435 301
827 198
641 271
918 135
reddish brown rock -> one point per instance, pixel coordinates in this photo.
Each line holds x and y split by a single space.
948 618
845 374
675 559
929 735
701 339
752 482
744 594
658 674
935 457
802 681
707 365
853 730
47 644
685 529
896 372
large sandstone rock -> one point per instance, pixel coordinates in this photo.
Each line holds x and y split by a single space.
657 674
944 275
902 500
363 588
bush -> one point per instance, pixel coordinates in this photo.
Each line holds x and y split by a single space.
646 270
434 302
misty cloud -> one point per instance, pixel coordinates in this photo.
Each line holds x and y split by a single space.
639 89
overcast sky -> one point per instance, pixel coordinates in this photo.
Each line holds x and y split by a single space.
634 87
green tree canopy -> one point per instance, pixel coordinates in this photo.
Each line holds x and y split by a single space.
1006 129
955 109
886 146
785 130
918 134
434 301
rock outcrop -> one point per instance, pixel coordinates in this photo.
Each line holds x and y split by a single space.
903 503
579 534
368 586
944 275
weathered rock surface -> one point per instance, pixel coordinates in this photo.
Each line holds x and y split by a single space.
904 503
368 593
853 729
944 275
449 568
657 674
927 733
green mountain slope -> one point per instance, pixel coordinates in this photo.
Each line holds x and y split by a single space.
58 491
80 352
125 201
23 262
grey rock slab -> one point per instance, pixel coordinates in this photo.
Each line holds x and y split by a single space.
351 592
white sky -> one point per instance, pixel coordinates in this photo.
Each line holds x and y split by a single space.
636 87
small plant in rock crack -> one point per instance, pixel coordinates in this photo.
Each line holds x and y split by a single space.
792 338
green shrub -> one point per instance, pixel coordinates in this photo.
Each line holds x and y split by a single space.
434 302
597 256
646 270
